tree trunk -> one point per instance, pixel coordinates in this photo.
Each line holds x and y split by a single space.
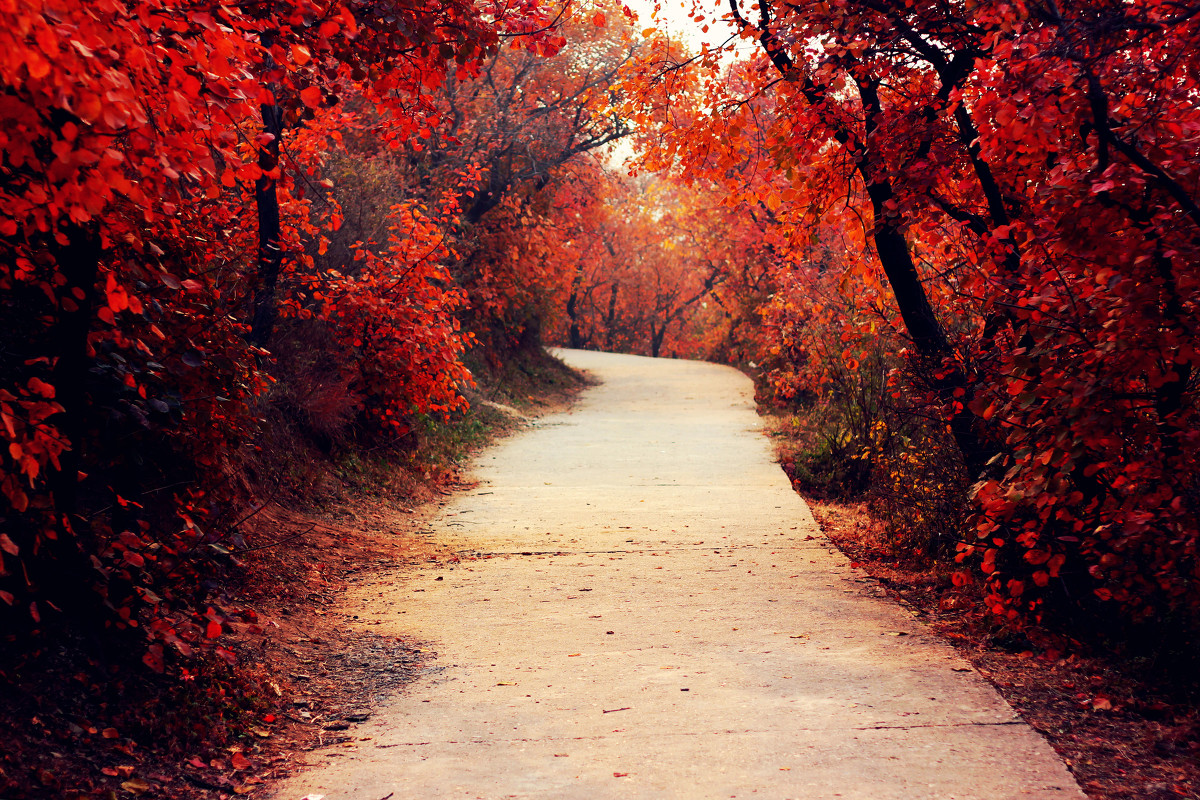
270 251
575 339
611 318
67 575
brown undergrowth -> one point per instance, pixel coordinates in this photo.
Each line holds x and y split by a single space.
85 719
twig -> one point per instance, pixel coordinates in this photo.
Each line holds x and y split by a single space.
277 542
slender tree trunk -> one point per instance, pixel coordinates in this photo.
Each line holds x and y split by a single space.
68 572
891 245
79 263
611 318
575 339
270 250
656 338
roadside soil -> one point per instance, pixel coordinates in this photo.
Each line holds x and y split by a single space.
1122 737
83 724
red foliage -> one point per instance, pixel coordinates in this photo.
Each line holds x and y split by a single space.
138 141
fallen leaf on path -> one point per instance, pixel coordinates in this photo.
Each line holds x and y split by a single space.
136 786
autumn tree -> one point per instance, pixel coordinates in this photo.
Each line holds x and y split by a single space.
1023 176
531 126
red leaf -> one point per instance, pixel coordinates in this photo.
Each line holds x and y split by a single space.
41 388
311 97
153 658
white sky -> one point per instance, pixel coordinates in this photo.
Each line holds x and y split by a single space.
673 17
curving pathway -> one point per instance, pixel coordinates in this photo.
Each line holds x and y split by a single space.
650 612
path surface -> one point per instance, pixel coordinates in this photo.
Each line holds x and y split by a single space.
654 614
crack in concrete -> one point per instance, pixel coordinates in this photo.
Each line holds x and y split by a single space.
735 732
659 550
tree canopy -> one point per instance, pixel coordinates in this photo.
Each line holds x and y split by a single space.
966 231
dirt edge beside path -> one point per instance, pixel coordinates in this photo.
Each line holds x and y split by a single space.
86 721
331 676
1119 736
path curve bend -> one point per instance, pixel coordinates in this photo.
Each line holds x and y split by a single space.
645 609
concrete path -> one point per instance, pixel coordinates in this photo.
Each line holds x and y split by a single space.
654 614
